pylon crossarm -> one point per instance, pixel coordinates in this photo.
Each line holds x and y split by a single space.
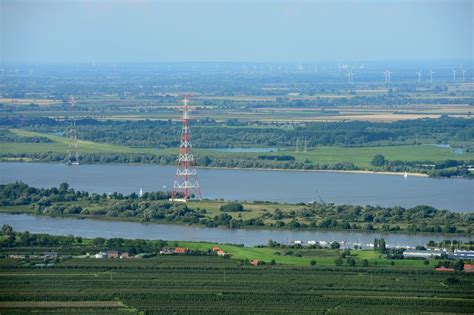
186 171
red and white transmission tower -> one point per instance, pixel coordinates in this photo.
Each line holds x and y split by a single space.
186 182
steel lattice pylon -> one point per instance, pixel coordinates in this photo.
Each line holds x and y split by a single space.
72 152
186 182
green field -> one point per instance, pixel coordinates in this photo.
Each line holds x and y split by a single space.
360 156
60 145
323 257
213 285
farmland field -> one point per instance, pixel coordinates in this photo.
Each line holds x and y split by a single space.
212 285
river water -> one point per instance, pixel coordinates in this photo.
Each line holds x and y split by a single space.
132 230
282 186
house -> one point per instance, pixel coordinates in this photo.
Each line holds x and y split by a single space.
254 262
442 268
468 268
101 255
215 249
124 255
112 254
181 250
221 253
312 242
166 251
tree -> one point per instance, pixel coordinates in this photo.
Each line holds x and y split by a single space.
6 229
365 263
232 207
63 188
378 160
458 265
339 261
351 261
335 245
312 262
382 245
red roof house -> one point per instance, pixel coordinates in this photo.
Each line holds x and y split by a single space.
112 254
180 250
443 268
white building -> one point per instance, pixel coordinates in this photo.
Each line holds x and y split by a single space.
101 255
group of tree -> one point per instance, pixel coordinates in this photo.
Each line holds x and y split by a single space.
231 133
154 206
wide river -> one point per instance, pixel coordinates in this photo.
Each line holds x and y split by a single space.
132 230
282 186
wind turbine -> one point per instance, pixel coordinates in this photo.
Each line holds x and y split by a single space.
454 74
350 76
387 76
419 75
431 75
463 73
300 67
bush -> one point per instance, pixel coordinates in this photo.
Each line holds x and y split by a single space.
232 207
378 160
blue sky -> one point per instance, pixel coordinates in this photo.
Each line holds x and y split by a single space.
35 31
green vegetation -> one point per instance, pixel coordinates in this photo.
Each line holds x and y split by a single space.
327 146
155 207
45 273
428 159
232 207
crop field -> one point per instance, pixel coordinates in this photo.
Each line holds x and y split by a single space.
213 285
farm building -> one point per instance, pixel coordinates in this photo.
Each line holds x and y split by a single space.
166 251
468 268
112 254
181 250
177 250
442 268
462 254
124 255
422 253
254 262
101 255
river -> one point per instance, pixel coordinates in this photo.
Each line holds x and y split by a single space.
131 230
455 194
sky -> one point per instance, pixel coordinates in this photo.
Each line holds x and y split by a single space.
62 31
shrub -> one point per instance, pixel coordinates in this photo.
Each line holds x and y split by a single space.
232 207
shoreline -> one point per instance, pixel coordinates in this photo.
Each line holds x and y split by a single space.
248 228
326 171
369 172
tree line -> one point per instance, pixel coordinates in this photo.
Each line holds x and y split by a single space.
155 207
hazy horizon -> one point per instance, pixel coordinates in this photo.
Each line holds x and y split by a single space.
125 31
